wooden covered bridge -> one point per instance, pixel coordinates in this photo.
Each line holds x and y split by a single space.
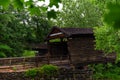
77 45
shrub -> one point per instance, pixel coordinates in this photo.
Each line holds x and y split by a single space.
49 70
45 71
31 73
106 72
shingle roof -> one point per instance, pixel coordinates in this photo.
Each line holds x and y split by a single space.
77 31
71 32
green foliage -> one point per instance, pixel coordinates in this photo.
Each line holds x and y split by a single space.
34 11
107 39
79 13
55 40
54 2
18 28
4 49
31 73
30 5
113 9
2 55
51 13
106 71
49 70
11 32
101 38
38 29
18 3
28 53
45 70
4 3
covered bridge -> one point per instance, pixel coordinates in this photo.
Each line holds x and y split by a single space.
77 44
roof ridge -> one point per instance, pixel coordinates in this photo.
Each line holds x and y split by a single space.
70 31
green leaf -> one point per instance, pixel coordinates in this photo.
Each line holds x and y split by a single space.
22 1
34 10
5 3
54 2
29 3
112 17
43 9
51 14
18 4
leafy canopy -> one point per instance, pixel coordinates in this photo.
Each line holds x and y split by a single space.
79 13
31 6
17 28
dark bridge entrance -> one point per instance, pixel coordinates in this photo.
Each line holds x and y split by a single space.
58 49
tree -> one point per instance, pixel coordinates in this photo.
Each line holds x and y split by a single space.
18 28
79 13
12 33
108 36
38 29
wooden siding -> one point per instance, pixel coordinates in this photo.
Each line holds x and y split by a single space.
82 50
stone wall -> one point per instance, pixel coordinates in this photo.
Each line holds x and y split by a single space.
65 74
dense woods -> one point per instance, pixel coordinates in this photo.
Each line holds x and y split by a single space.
18 28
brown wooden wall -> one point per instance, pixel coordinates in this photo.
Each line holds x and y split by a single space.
82 50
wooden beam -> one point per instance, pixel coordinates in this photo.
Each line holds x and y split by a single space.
55 34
